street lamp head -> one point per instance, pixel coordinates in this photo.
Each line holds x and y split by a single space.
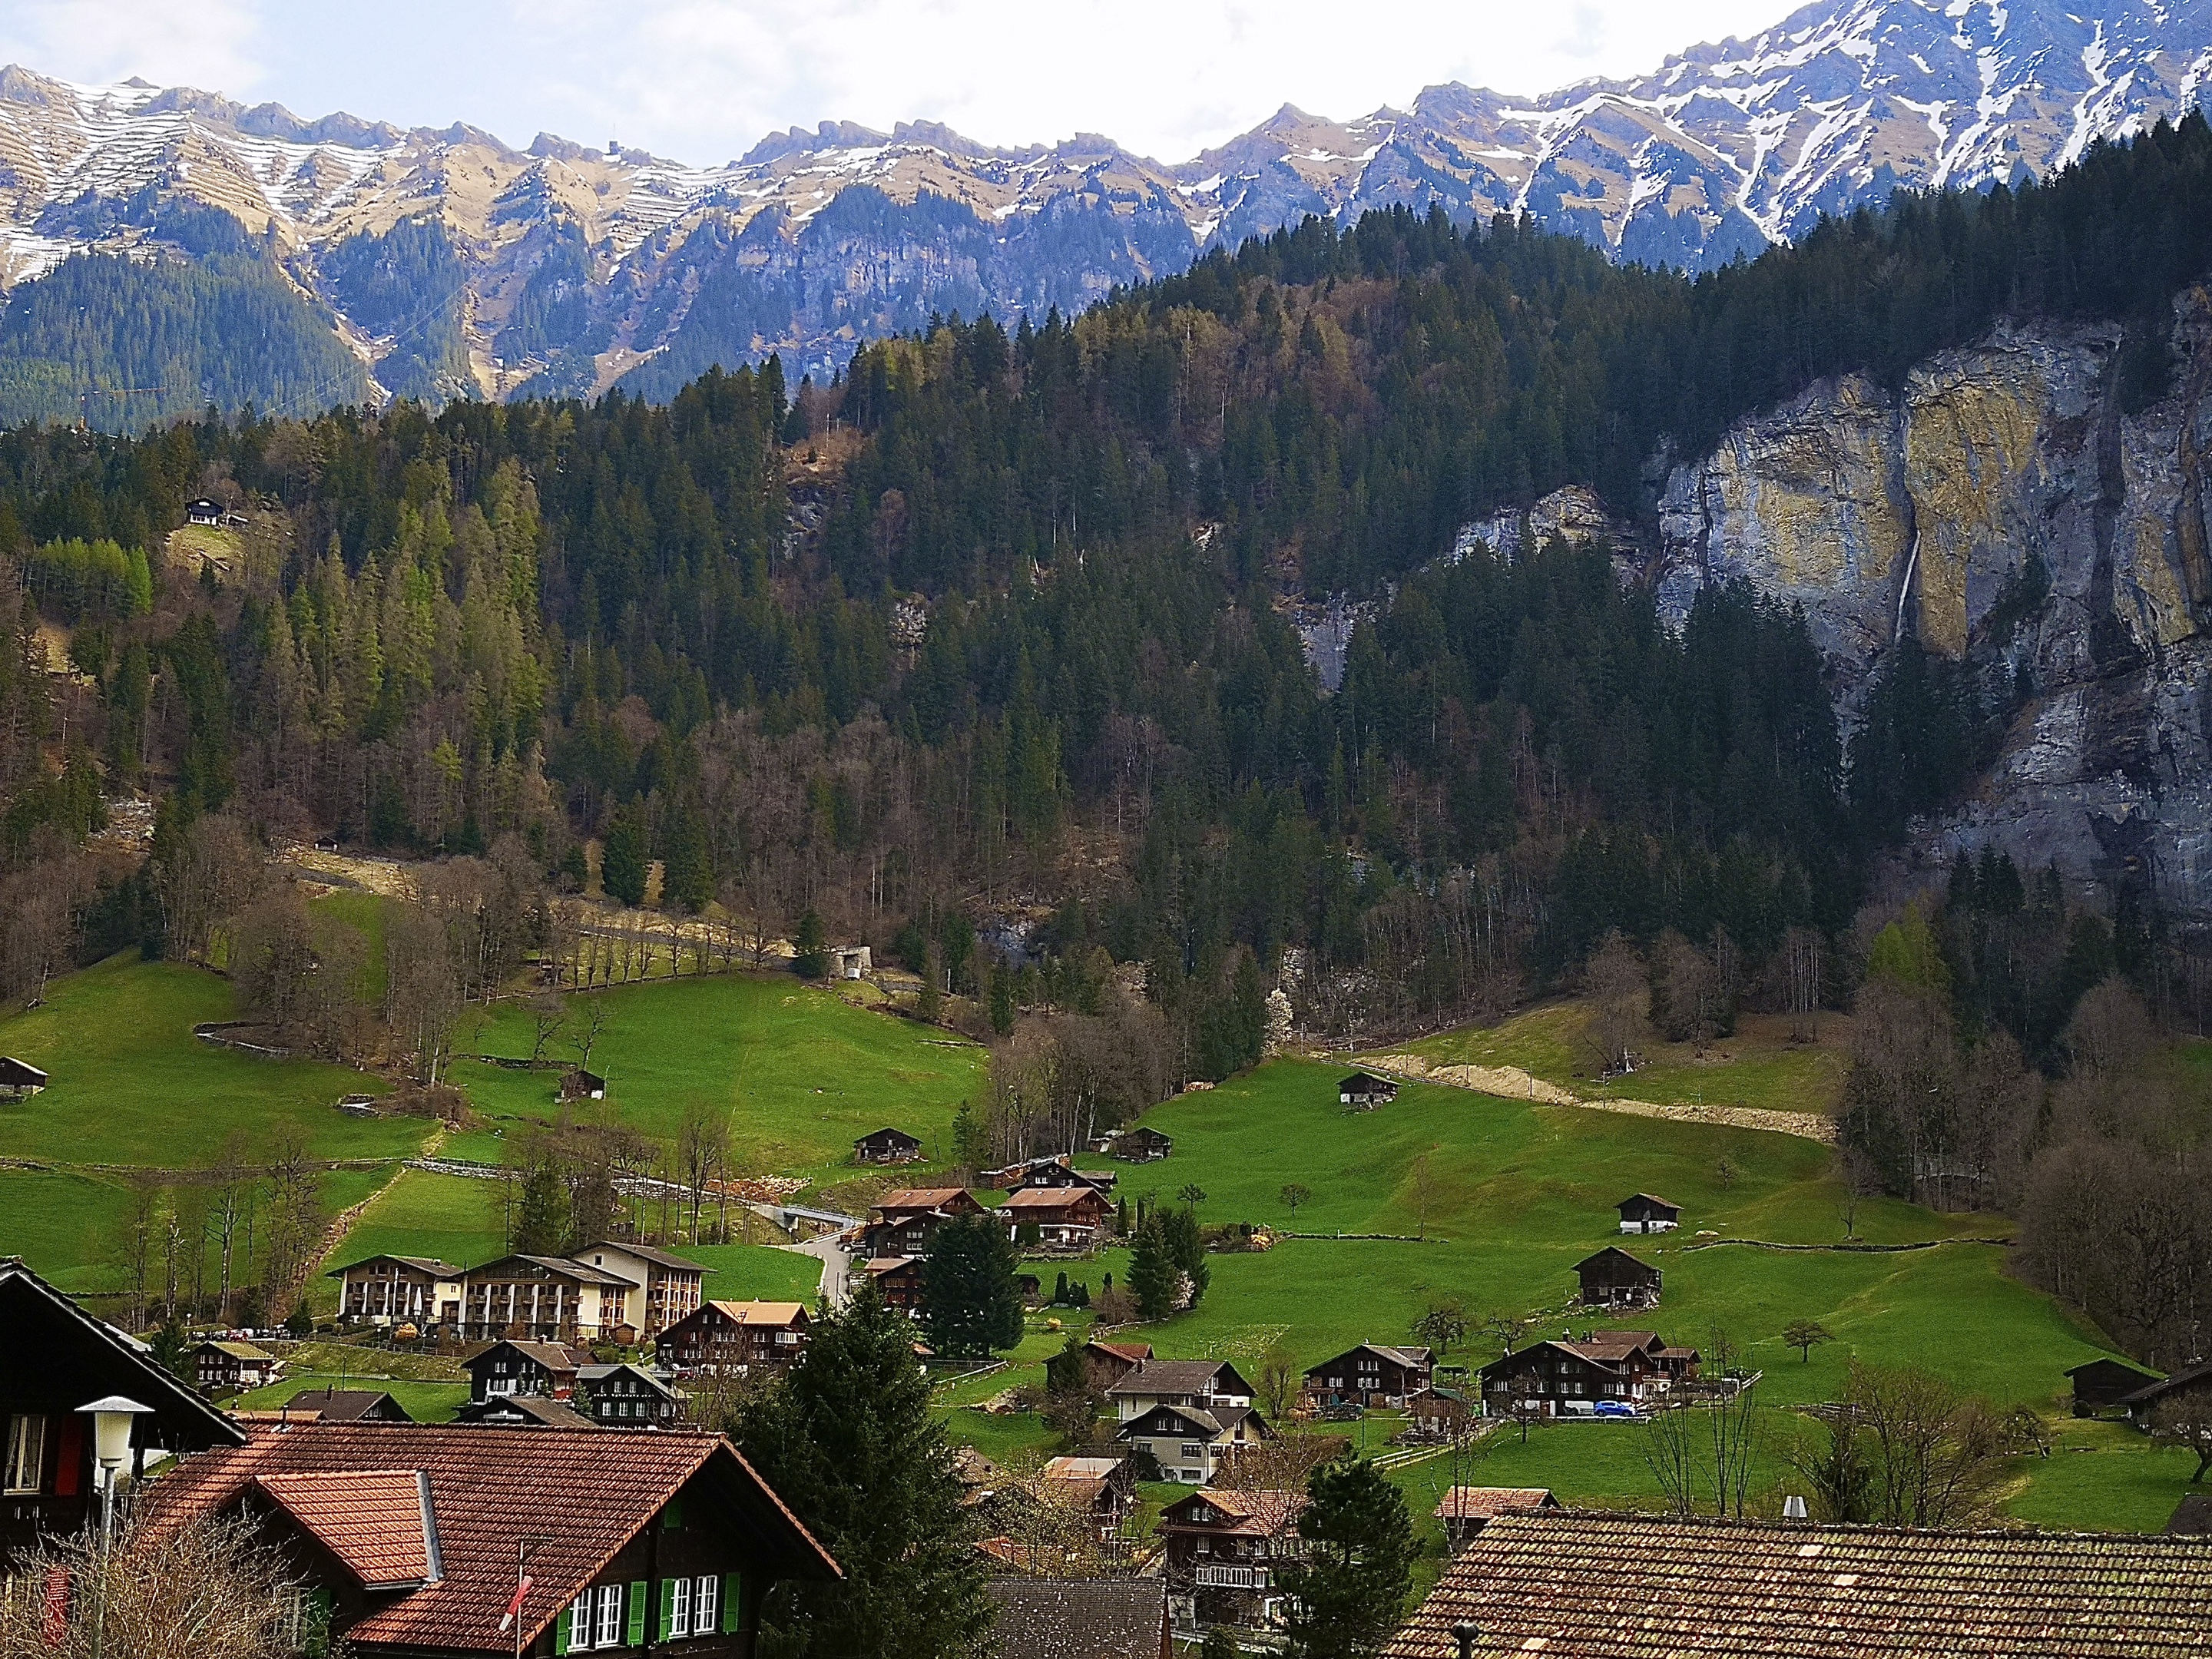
1465 1634
111 1428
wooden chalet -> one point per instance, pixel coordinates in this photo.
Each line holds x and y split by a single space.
1569 1378
902 1223
545 1369
737 1337
2191 1381
226 1368
1115 1361
1220 1550
407 1537
1596 1584
1466 1510
544 1299
1140 1146
887 1147
1066 1217
64 1359
625 1397
1205 1383
1081 1619
1615 1279
1362 1093
1640 1213
1370 1376
345 1406
18 1079
577 1084
1103 1488
393 1290
205 510
522 1411
1055 1171
900 1278
668 1287
2101 1385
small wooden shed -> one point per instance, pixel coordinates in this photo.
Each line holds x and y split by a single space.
1642 1213
19 1080
1361 1093
1615 1279
2101 1384
577 1084
886 1146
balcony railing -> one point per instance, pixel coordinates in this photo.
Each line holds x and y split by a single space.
1215 1577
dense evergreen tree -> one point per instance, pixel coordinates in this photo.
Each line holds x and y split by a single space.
971 1298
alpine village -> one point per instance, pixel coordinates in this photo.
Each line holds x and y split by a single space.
1439 888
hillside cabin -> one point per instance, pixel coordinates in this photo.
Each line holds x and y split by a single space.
736 1339
545 1369
887 1145
2191 1381
1140 1146
1642 1213
544 1299
2101 1385
1104 1488
900 1278
1115 1361
1081 1619
1361 1093
403 1538
1066 1217
1370 1376
18 1079
1581 1581
667 1287
391 1290
625 1397
1052 1172
577 1084
67 1357
206 512
345 1406
228 1368
1615 1279
1192 1443
902 1223
1203 1384
1220 1550
1569 1378
1466 1510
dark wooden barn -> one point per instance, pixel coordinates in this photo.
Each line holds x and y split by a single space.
1615 1279
2101 1385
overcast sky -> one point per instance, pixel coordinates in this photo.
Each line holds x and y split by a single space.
702 80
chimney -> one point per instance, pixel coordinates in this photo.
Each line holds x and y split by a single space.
1793 1509
1465 1634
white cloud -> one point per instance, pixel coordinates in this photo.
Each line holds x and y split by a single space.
201 43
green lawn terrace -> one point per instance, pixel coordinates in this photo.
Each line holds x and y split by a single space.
1511 1195
801 1072
1761 1065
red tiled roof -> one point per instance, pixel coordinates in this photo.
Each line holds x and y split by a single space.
1610 1586
483 1486
375 1520
1472 1502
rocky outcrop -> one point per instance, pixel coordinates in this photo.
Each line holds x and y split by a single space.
2004 507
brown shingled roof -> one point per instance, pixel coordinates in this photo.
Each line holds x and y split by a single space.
1607 1586
1481 1502
483 1485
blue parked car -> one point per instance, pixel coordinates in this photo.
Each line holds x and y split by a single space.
1612 1409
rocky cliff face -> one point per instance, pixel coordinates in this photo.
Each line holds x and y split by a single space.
2002 508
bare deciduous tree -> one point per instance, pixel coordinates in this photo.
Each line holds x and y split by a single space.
202 1585
1620 1000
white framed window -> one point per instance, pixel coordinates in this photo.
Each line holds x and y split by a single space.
580 1623
704 1600
26 1464
611 1612
679 1607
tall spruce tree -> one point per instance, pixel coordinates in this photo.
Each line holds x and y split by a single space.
971 1298
849 1442
1348 1592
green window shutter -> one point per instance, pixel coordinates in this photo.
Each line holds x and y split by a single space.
667 1619
561 1631
635 1636
732 1588
672 1518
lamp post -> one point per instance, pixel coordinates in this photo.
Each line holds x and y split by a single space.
111 1450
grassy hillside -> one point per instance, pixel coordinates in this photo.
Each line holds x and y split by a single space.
801 1072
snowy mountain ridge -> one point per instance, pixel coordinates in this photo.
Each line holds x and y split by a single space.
583 265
